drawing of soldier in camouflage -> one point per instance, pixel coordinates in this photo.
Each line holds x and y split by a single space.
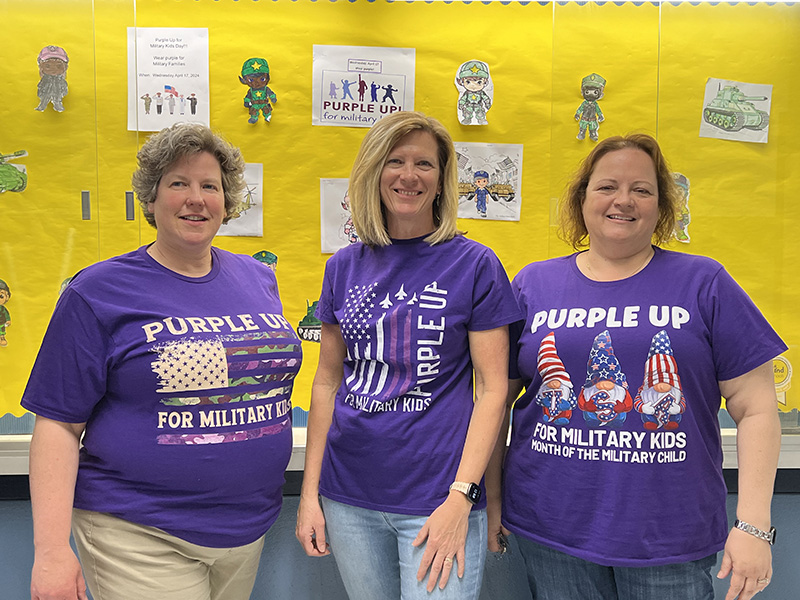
255 75
589 113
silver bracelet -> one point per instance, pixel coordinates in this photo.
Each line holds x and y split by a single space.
767 536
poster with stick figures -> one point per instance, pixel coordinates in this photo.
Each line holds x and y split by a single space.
167 77
354 86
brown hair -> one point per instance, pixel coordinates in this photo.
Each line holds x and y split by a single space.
572 228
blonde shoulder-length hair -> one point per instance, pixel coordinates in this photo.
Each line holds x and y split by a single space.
572 227
369 218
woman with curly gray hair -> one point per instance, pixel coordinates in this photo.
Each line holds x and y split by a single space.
172 491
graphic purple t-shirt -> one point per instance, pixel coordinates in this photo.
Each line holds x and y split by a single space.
402 411
615 454
185 386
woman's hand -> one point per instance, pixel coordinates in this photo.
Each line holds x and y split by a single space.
57 575
749 562
310 528
444 535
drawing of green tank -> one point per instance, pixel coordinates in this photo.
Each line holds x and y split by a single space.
731 110
12 177
310 327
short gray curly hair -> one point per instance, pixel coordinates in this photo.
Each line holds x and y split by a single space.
162 149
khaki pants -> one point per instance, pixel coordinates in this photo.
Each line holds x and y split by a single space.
123 560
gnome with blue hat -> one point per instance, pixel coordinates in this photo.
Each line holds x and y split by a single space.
604 399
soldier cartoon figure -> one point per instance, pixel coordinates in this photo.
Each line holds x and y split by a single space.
255 75
53 87
589 114
684 217
473 77
481 180
5 317
270 259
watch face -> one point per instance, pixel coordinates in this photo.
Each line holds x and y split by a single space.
474 493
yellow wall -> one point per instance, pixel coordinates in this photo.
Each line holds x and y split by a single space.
656 60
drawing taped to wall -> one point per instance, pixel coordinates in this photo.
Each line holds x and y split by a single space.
354 86
248 218
476 92
336 222
589 115
309 329
13 177
53 62
489 181
5 316
684 217
255 75
270 259
733 110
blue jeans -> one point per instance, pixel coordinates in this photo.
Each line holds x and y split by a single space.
376 560
554 575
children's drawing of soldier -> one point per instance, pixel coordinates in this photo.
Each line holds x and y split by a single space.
474 79
255 75
349 229
589 114
53 62
270 259
5 317
684 218
481 181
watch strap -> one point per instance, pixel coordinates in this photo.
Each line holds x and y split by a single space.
471 490
767 536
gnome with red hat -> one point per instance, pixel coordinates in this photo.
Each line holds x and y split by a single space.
660 399
555 395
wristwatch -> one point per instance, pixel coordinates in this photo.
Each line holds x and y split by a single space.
767 536
471 490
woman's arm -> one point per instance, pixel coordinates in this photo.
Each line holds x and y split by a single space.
494 473
310 529
446 528
53 470
752 403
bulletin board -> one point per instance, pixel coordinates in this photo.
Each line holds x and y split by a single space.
655 60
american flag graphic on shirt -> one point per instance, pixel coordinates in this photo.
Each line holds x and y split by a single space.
245 368
379 349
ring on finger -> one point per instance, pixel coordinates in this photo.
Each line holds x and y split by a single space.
448 560
763 581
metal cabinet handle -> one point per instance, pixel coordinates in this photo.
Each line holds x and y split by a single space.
86 205
130 212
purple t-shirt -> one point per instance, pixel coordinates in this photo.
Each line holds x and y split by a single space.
185 386
615 454
402 411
